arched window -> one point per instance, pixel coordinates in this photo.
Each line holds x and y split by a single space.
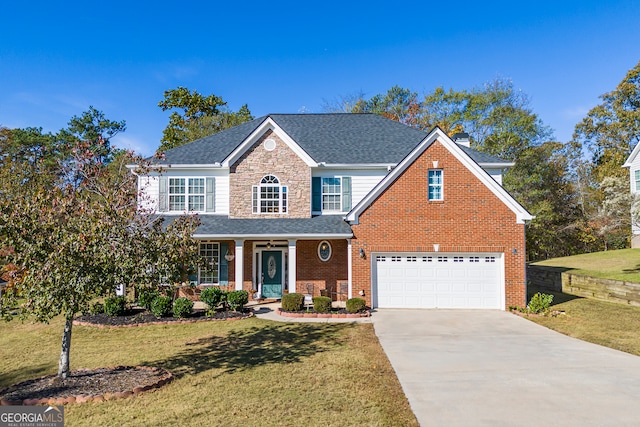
269 196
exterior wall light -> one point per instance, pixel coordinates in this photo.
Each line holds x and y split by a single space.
362 255
361 293
229 256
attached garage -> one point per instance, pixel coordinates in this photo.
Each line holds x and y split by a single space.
438 280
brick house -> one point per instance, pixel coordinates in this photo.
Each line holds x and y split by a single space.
348 205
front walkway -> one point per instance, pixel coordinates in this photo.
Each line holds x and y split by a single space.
492 368
268 311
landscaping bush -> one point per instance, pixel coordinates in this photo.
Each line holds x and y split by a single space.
539 303
237 300
115 306
355 305
182 307
146 297
292 302
212 296
96 308
161 306
321 304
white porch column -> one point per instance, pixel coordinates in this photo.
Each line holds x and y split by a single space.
293 266
349 269
239 264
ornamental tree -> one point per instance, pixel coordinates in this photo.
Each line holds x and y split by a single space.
76 234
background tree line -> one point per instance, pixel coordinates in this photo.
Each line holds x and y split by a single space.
578 190
70 229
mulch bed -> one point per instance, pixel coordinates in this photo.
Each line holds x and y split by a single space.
85 385
139 317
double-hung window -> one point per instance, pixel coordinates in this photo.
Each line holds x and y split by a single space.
209 272
637 179
186 194
331 194
435 184
269 196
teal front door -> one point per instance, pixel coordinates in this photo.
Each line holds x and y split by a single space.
272 274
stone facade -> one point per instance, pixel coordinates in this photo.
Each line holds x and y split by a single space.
281 162
469 219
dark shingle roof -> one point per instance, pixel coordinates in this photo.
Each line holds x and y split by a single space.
221 226
329 138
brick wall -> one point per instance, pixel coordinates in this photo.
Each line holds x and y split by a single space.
323 275
469 219
281 162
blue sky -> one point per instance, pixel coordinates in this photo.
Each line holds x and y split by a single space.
57 58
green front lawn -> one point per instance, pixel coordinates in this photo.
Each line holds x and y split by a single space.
609 324
248 372
622 264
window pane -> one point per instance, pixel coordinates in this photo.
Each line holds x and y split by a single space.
209 272
196 185
435 184
176 186
196 203
269 199
331 194
176 203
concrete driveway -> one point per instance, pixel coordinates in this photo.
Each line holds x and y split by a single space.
485 367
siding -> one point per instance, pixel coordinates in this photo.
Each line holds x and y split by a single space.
149 187
362 181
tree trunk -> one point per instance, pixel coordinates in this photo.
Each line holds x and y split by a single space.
63 364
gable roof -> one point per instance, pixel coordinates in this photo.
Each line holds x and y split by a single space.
458 151
632 156
340 139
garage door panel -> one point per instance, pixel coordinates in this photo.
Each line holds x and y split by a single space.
439 281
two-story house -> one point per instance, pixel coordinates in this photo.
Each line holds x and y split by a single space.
348 203
633 163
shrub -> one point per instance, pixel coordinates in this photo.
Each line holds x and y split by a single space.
355 305
292 302
321 304
115 306
146 297
540 303
237 299
161 306
212 296
96 308
182 307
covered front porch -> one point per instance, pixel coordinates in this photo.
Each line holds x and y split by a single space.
271 257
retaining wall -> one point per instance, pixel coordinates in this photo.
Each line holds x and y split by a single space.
557 279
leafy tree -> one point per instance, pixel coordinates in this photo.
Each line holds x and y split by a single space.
603 140
610 130
610 221
201 116
28 147
81 237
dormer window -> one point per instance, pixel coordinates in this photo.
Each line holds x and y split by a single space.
269 196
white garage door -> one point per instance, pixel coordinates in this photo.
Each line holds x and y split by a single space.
438 280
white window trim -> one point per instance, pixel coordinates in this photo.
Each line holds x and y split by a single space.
217 266
187 194
636 180
339 194
440 185
256 197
